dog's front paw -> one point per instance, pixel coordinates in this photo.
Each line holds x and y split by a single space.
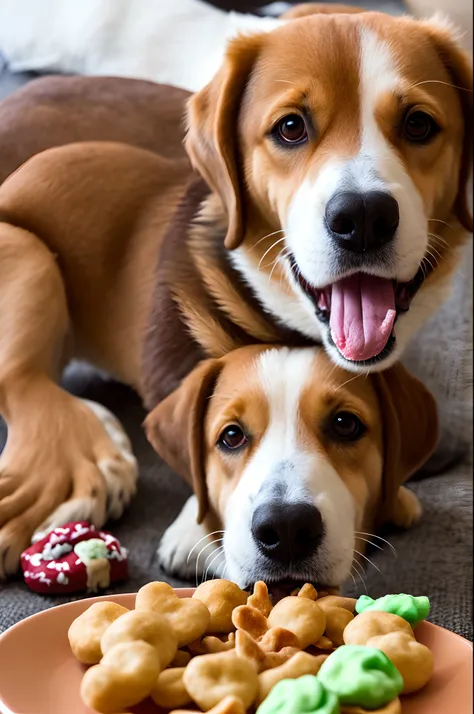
408 510
75 465
119 469
187 550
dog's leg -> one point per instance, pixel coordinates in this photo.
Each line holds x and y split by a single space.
120 476
407 510
188 549
57 449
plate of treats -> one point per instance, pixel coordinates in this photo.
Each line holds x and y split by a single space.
221 650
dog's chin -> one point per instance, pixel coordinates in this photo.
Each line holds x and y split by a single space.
283 588
403 293
284 582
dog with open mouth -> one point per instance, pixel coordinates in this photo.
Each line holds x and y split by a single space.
293 461
334 155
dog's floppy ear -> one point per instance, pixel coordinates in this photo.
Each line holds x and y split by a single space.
458 64
175 428
211 139
410 429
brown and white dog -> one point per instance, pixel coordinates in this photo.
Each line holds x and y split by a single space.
334 153
294 462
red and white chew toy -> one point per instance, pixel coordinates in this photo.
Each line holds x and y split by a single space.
73 558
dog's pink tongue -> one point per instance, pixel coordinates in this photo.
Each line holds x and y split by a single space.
362 315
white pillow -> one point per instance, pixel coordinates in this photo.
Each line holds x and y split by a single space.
179 42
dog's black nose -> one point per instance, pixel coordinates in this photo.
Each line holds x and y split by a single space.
362 221
287 532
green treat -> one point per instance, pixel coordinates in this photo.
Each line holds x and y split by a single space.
412 609
361 676
305 695
91 549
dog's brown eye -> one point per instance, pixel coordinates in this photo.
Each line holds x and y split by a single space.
232 438
420 127
346 426
292 129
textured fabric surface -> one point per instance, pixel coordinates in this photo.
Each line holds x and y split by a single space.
435 558
441 356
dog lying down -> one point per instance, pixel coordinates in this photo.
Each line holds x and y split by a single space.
331 204
293 461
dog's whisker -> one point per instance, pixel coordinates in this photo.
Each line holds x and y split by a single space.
433 256
215 551
204 548
359 572
217 555
426 258
280 253
351 379
224 567
353 579
440 255
277 261
442 242
366 540
368 560
267 252
438 220
442 245
214 542
377 537
439 81
208 535
440 239
269 235
212 557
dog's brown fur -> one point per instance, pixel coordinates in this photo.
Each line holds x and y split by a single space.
97 262
53 111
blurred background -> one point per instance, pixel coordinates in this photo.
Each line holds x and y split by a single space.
172 41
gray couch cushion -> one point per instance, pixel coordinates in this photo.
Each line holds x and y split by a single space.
441 356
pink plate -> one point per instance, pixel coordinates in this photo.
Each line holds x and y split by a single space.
39 675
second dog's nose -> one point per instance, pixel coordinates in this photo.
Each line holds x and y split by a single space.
362 221
287 532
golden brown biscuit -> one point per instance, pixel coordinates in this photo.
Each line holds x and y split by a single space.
373 623
260 598
394 707
348 603
188 617
300 664
180 659
211 678
337 619
229 705
413 660
125 676
251 620
142 626
220 597
169 690
301 616
85 633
